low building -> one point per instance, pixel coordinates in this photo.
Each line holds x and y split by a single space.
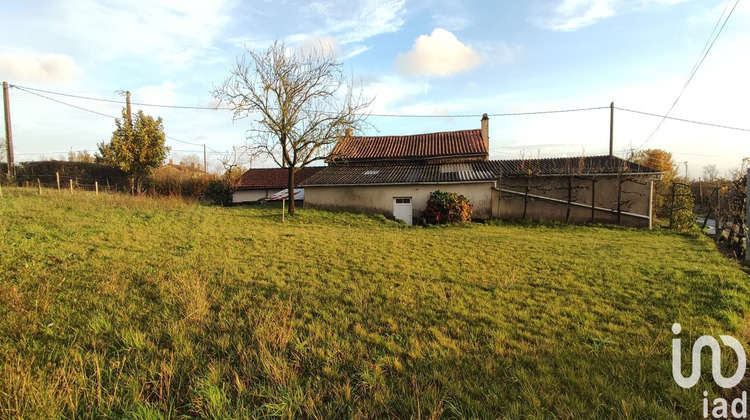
258 183
394 175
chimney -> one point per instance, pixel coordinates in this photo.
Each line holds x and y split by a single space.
349 132
171 162
486 133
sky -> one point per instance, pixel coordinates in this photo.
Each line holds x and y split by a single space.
440 59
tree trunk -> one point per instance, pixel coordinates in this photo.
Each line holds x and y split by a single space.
291 190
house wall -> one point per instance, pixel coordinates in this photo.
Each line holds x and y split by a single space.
379 198
635 198
244 196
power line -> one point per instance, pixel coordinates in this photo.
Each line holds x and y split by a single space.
667 117
697 66
506 114
65 103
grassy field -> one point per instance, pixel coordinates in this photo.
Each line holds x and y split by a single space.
114 306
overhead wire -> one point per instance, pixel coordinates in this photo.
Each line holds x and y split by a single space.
697 66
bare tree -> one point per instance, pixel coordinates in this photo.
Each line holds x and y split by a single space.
710 173
303 102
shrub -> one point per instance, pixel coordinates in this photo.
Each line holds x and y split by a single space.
447 207
218 192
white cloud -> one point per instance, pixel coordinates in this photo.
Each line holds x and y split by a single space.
570 15
369 18
163 94
439 53
174 32
37 67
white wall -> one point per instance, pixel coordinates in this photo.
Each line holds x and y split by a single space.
244 196
379 198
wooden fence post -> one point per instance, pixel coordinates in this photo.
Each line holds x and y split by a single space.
671 208
570 198
58 180
283 205
593 199
747 216
39 186
96 187
526 197
619 199
71 186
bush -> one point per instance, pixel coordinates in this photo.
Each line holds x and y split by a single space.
447 207
218 192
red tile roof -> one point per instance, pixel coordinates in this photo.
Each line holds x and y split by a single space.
262 178
464 143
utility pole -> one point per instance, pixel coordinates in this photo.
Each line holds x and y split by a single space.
611 128
127 104
8 133
686 170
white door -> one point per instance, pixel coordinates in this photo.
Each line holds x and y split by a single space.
402 209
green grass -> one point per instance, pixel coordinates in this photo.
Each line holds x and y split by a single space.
113 306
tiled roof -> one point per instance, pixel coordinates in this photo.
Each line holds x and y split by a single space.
418 146
401 174
470 171
585 165
273 177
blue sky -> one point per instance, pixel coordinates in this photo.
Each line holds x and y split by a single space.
435 58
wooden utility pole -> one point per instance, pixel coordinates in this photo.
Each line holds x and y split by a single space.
8 133
127 105
205 165
611 128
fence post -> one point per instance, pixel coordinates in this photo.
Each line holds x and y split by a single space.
71 186
96 187
58 180
570 198
283 210
39 186
526 197
619 199
747 217
593 199
671 207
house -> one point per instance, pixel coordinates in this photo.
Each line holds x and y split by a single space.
174 171
257 184
394 175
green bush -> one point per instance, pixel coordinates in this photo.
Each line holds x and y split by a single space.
447 207
218 192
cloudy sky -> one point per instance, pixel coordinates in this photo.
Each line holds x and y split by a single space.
441 58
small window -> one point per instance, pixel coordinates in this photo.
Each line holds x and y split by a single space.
403 200
372 172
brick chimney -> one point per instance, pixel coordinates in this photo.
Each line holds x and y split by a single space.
486 132
349 132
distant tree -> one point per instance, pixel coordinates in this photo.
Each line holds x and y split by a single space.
192 160
658 159
137 147
710 173
304 102
662 161
82 156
